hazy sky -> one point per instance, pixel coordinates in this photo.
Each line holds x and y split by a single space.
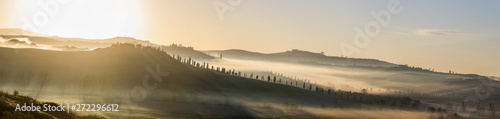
445 35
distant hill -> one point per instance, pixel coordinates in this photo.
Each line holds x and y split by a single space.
299 56
78 42
73 44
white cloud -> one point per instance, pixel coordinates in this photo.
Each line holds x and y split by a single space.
437 32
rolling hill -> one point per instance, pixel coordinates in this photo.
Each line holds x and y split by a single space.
299 56
119 68
72 44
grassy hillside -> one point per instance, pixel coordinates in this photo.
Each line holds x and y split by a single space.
108 75
125 65
8 104
116 70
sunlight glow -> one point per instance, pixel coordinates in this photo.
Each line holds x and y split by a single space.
85 19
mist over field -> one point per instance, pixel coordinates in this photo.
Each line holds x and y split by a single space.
337 77
291 84
211 86
321 75
239 59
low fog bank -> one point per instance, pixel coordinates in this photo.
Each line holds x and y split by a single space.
26 43
188 104
377 80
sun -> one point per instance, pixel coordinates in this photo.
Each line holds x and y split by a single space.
94 19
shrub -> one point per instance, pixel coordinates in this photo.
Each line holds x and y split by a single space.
2 93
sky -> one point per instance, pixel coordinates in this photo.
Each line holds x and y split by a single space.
457 35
